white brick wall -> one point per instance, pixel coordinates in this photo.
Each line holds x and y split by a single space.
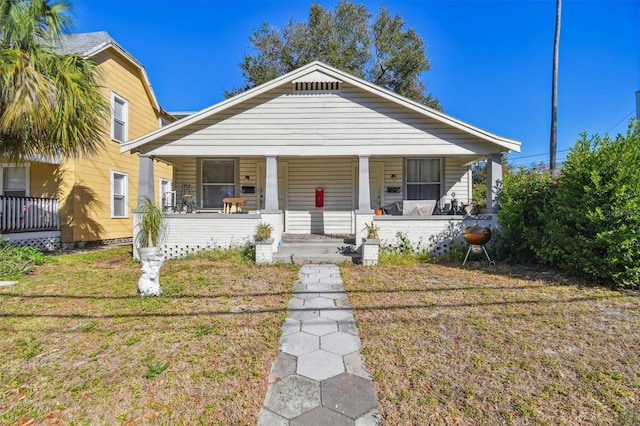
433 233
190 233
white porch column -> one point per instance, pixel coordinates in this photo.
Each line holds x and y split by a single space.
271 190
494 177
145 178
363 211
364 191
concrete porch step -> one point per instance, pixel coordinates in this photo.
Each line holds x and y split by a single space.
316 252
318 238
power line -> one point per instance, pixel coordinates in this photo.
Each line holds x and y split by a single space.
536 155
626 117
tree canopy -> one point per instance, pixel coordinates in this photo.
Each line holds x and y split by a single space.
349 38
50 104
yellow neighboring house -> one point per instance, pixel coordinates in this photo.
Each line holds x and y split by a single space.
53 202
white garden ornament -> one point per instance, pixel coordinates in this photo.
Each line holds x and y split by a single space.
149 283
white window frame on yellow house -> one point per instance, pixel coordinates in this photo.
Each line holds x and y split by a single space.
116 120
124 196
27 186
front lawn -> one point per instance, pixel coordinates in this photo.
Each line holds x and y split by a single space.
78 346
471 346
445 344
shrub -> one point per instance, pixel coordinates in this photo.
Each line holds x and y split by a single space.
403 252
525 198
593 220
16 261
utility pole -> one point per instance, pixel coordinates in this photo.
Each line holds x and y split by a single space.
553 142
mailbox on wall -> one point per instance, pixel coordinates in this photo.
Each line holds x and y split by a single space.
319 197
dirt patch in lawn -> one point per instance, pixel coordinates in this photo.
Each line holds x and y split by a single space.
470 346
77 345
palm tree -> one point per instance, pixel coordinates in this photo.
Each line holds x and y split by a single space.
553 142
50 103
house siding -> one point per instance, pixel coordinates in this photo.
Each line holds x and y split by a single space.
84 184
44 180
349 122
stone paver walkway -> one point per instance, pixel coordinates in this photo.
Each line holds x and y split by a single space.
319 378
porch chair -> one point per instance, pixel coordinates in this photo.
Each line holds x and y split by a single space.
232 205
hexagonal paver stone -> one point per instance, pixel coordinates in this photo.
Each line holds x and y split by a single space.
372 418
334 294
303 313
299 286
284 366
348 325
320 365
322 286
295 302
354 364
322 416
299 343
343 302
350 395
268 418
336 313
290 326
293 396
320 326
306 294
340 343
319 302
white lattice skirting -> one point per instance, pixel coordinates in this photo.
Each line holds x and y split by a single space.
45 241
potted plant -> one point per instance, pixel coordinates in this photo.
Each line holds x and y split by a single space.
263 232
372 231
151 228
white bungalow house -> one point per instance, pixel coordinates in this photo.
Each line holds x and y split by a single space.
315 151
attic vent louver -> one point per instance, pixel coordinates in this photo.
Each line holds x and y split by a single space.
316 86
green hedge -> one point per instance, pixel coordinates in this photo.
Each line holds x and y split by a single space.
587 220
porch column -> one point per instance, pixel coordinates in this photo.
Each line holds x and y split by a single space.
271 190
145 178
364 191
494 178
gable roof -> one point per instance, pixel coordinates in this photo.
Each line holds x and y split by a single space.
318 71
90 44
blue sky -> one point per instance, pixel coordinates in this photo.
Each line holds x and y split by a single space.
491 60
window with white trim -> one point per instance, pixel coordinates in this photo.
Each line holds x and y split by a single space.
217 180
14 180
119 194
119 118
423 178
